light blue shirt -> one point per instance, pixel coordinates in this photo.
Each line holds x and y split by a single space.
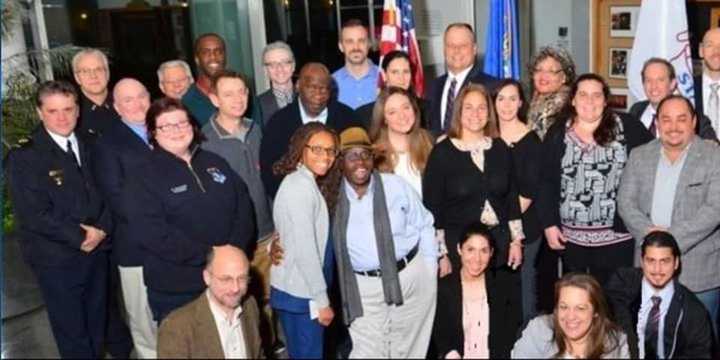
306 118
410 222
139 130
355 92
666 295
666 180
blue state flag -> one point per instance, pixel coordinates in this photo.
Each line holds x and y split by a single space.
502 48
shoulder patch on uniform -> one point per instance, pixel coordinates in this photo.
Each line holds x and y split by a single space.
23 142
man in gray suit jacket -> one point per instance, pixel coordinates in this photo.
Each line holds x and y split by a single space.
673 184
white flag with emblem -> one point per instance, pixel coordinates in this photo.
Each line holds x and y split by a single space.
662 32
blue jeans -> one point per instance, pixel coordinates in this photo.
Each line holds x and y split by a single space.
528 276
711 300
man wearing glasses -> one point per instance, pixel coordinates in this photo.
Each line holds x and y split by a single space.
279 63
222 323
92 74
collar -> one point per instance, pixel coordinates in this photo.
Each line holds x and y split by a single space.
665 293
62 140
219 314
224 134
461 75
683 153
304 115
707 80
87 103
373 71
353 195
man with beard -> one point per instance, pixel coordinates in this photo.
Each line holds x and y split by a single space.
707 85
220 323
210 60
356 81
662 318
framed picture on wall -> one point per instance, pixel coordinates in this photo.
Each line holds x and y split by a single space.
619 60
619 99
623 20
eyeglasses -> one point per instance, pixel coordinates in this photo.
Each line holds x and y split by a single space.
278 64
182 125
358 155
320 151
88 72
176 82
546 71
227 281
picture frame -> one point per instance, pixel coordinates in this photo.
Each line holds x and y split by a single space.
619 99
618 60
623 21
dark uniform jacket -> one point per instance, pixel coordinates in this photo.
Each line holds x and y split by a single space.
184 211
95 119
117 155
51 198
687 332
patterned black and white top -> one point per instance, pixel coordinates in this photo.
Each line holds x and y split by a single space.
590 177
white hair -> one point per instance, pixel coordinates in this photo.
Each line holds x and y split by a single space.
174 63
89 51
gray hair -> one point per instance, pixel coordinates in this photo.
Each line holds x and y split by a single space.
173 63
278 45
560 55
89 51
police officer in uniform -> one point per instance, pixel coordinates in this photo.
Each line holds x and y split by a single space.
62 222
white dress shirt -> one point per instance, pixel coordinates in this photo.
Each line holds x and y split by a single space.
62 142
706 82
648 116
443 100
229 329
306 118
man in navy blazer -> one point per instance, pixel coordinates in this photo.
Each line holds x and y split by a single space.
118 152
709 50
313 103
462 67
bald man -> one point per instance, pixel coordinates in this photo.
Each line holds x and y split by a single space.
707 85
313 103
220 323
121 148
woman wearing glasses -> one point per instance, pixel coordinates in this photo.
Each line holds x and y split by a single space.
552 71
188 201
302 208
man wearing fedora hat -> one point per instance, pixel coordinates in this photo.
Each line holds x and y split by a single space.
386 256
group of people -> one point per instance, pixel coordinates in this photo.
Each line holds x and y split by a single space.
233 224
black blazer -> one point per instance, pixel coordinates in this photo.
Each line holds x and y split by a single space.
698 94
687 333
703 128
117 155
281 127
448 332
476 75
52 196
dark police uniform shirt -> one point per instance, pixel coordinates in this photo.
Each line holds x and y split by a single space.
95 119
184 210
51 197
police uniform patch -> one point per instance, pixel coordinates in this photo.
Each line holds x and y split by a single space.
217 176
179 189
57 176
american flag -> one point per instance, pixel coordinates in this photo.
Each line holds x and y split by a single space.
398 33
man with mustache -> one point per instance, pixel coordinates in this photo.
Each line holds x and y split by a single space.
357 80
222 323
673 184
662 318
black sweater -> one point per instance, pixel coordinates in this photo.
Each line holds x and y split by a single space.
185 210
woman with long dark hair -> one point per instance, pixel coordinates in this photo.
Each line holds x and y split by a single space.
302 209
583 159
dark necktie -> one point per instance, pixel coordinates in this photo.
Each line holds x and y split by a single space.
449 104
71 153
653 128
652 328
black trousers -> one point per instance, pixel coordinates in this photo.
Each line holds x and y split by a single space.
118 341
601 261
75 298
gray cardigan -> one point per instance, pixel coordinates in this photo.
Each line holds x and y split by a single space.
302 220
536 342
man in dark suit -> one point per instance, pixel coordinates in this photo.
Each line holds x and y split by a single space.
117 155
279 63
222 323
658 77
312 104
462 67
92 74
62 222
709 82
